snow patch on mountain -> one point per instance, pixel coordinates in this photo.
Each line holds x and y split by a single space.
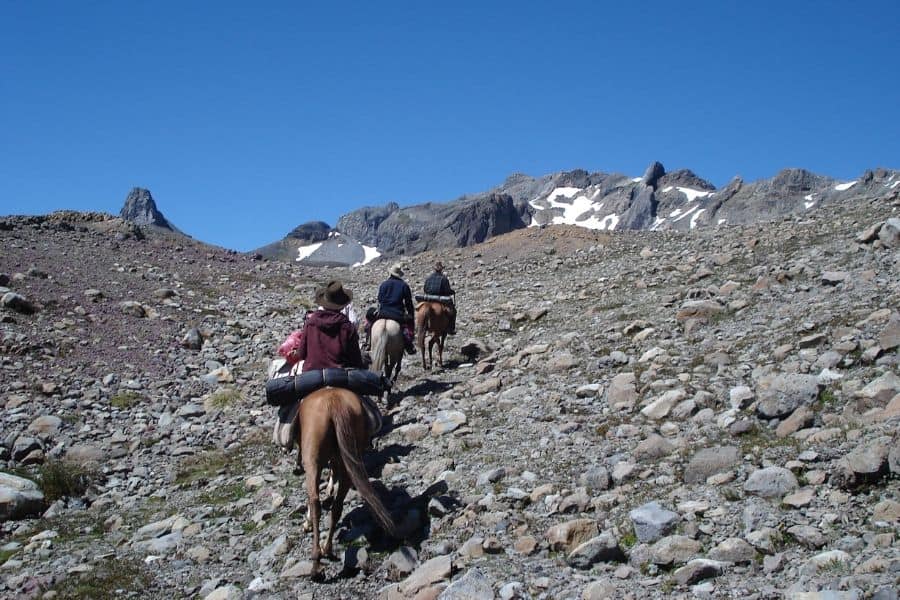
844 186
371 254
307 251
693 194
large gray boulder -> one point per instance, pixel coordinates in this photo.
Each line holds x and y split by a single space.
711 461
770 482
19 498
780 395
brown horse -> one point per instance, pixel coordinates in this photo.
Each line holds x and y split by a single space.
333 432
433 318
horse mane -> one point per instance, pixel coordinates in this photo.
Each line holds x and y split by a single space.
353 462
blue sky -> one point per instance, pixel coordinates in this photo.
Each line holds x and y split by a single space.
247 119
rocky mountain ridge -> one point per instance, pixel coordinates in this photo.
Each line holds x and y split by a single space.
647 414
659 200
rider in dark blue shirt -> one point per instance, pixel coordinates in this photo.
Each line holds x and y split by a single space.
395 302
437 284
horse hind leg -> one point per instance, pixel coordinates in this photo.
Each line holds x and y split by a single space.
337 508
440 346
314 510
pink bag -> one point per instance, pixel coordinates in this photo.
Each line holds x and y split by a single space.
289 347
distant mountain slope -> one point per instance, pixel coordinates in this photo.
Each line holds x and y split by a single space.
659 200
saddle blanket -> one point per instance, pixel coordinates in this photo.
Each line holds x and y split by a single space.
433 298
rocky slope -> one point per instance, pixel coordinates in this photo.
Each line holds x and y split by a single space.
635 414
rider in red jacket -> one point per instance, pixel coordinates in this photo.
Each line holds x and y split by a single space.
329 339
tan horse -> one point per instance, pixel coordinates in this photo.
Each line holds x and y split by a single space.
433 318
387 348
333 432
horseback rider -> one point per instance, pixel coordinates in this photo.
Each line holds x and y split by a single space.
329 339
395 302
437 284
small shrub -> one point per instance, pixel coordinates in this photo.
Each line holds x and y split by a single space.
125 399
222 399
61 479
827 397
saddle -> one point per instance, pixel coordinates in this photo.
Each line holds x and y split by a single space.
287 392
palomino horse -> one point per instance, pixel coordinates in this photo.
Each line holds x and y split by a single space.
334 432
387 348
433 318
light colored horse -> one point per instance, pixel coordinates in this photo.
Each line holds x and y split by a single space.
334 432
432 318
387 348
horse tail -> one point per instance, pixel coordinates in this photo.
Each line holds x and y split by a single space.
379 348
422 325
353 462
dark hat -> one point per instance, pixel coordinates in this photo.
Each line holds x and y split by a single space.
333 296
396 270
438 266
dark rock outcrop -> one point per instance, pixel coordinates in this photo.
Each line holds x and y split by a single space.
140 209
312 231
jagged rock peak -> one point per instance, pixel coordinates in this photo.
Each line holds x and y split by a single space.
653 173
312 231
141 209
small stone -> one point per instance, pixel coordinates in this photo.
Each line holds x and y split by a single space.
651 522
698 570
770 482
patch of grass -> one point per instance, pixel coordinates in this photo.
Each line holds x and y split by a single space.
5 555
628 539
667 586
112 578
762 440
60 479
78 526
835 567
827 398
730 494
230 492
256 448
222 399
125 400
201 467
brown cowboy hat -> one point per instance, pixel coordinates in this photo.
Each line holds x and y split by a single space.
439 266
396 270
333 296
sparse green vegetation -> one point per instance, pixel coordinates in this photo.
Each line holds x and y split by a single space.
827 397
628 539
730 494
5 555
667 586
112 578
59 479
126 399
225 494
222 399
759 439
256 448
